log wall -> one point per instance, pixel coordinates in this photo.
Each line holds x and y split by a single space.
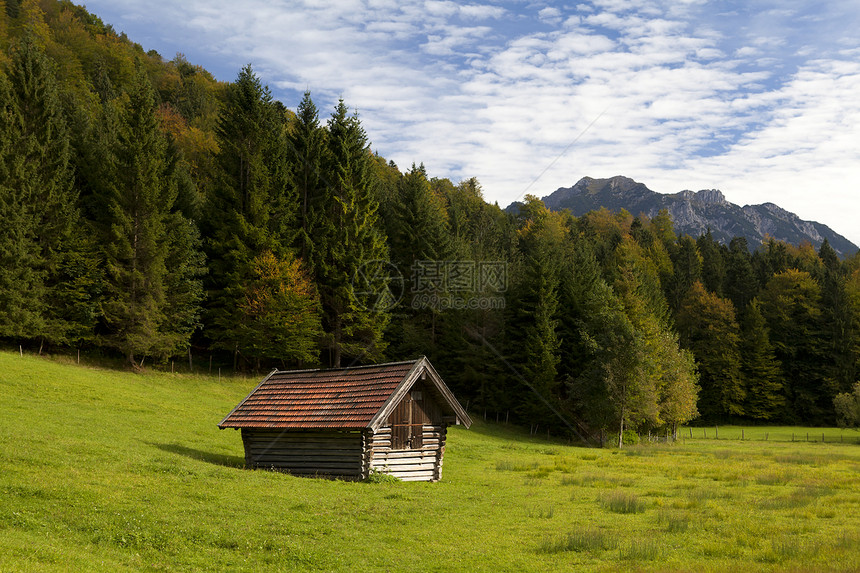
326 453
419 464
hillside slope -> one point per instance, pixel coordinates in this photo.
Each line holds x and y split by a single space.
696 212
103 470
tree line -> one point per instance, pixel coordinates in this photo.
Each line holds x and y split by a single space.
151 212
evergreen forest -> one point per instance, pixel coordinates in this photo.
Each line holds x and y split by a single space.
153 213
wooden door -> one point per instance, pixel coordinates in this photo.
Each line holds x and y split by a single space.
407 422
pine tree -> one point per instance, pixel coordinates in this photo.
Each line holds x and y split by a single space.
759 367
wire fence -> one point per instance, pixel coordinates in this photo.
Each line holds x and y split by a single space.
772 434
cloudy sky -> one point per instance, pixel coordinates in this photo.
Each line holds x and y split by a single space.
757 98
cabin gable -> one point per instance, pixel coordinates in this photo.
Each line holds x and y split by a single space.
410 445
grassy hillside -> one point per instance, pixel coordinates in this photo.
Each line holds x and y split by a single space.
104 470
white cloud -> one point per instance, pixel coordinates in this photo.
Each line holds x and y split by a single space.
755 99
550 14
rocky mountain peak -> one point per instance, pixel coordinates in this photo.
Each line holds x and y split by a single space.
707 196
695 212
713 196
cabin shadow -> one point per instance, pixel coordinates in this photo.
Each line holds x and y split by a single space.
209 457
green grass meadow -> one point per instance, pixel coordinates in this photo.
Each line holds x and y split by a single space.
105 470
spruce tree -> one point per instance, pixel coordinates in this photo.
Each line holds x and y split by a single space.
540 344
791 305
417 228
687 264
591 328
759 367
351 245
152 263
418 236
741 285
20 282
46 263
251 209
707 326
713 263
533 321
840 316
306 145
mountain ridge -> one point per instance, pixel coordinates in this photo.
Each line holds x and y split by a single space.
694 212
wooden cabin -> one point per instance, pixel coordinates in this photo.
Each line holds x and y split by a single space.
347 422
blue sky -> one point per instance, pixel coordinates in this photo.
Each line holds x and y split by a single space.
760 99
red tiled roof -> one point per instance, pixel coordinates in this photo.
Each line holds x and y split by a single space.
335 398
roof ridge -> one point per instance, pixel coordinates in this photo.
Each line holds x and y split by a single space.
342 368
